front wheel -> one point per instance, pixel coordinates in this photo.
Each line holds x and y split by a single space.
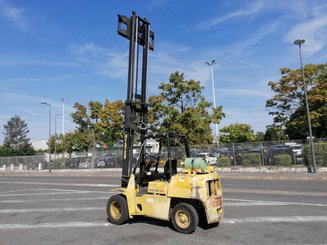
185 218
117 210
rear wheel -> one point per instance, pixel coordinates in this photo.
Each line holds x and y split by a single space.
117 210
185 218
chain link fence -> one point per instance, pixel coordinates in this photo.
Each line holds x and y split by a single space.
23 163
281 153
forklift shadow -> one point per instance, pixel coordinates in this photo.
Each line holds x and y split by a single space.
162 223
150 221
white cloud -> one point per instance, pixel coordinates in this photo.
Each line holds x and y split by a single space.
250 64
115 65
245 45
21 60
13 14
36 79
314 31
244 92
87 48
251 10
258 119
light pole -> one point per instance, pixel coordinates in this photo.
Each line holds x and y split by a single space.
63 115
45 103
300 42
55 136
210 64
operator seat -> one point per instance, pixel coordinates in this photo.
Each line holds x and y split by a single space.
173 168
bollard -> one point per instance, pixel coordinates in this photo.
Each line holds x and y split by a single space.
40 166
4 168
21 167
12 167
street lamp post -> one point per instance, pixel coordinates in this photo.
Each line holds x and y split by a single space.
55 134
300 42
210 64
63 115
45 103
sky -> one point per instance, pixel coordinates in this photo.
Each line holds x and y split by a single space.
51 50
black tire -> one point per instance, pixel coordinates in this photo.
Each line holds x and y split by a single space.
117 210
184 218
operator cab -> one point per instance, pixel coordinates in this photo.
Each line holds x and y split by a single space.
173 150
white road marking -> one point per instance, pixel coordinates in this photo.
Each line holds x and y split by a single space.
275 192
56 200
247 202
53 225
55 193
291 219
38 189
30 210
227 221
58 184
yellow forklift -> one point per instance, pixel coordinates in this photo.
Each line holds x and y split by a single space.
152 186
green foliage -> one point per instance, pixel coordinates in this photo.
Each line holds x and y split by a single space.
275 133
282 160
250 159
223 161
104 120
236 133
16 141
7 151
58 164
259 136
80 117
288 104
181 108
320 154
70 142
110 122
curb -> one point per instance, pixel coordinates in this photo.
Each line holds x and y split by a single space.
267 173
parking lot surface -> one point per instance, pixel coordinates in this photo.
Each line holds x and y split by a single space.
67 209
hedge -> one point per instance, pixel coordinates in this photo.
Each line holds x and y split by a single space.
223 161
320 154
282 160
250 159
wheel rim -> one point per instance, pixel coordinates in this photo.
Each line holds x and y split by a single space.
115 210
182 219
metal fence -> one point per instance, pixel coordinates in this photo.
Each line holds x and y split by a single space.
281 153
23 162
269 153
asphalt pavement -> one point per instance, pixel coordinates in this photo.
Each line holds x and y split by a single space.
70 208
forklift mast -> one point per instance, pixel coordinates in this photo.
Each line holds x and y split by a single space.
137 31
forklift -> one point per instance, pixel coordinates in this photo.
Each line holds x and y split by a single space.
153 185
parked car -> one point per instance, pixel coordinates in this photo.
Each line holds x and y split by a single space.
210 158
254 150
104 161
85 164
297 149
100 163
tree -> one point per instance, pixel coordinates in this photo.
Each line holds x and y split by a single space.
275 133
56 143
16 131
259 136
109 126
6 151
68 143
101 122
236 133
288 104
181 108
81 117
